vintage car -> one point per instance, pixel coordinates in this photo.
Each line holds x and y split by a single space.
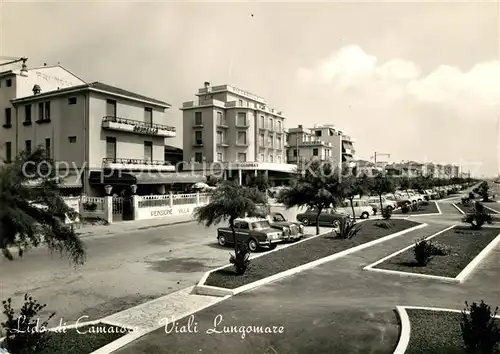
291 230
328 217
362 209
254 232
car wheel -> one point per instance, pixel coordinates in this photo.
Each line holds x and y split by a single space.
420 200
221 240
252 245
305 221
365 215
408 203
272 246
389 207
336 223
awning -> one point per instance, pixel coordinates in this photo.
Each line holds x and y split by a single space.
167 178
71 181
347 158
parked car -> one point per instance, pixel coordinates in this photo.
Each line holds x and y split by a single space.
416 196
362 209
328 217
374 202
254 232
399 199
292 230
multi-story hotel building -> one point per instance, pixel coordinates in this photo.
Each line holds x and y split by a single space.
234 133
321 142
99 134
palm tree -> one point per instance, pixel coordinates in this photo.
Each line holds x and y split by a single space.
32 211
228 202
319 187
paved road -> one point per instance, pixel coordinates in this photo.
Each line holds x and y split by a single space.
122 270
335 308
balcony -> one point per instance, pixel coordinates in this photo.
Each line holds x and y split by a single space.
137 164
137 127
242 126
198 143
222 144
222 125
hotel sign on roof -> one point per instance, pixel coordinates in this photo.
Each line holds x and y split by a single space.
245 94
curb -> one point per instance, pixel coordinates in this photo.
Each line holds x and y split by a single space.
460 210
460 278
202 289
404 338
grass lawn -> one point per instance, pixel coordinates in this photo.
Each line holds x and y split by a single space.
435 332
431 208
84 342
302 253
464 243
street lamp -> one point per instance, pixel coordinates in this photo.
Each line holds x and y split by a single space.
13 60
108 189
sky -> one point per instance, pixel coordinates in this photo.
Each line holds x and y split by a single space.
416 80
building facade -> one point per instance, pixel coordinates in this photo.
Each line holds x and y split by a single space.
97 134
233 132
320 142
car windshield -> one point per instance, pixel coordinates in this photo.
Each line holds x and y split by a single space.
277 217
260 225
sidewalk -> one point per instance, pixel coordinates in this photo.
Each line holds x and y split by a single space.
132 225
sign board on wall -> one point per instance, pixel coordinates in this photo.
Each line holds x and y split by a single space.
161 212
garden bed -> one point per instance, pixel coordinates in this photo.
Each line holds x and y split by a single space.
431 208
469 208
303 253
435 332
81 341
463 245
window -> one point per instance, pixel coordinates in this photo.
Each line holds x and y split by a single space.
198 118
198 137
243 226
8 82
72 139
111 108
261 158
271 158
72 100
111 148
241 119
261 139
315 152
220 119
27 146
47 148
8 152
148 115
44 111
240 103
279 159
198 157
148 150
27 113
219 156
317 133
8 117
242 138
294 152
242 157
278 142
262 122
271 124
279 126
270 141
220 138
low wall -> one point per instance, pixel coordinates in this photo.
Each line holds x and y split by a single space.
160 206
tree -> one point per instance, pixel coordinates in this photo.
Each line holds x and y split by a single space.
382 185
319 187
405 184
228 202
353 187
32 211
260 182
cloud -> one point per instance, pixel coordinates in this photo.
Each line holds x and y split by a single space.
397 78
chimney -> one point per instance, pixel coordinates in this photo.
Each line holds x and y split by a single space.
36 90
207 86
300 126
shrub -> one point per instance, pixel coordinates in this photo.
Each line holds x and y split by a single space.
241 259
426 198
386 213
348 229
25 334
385 224
479 330
423 251
415 207
89 206
405 209
439 249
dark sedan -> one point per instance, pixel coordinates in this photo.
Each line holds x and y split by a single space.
328 217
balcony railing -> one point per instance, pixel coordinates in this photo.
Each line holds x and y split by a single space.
136 126
145 164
